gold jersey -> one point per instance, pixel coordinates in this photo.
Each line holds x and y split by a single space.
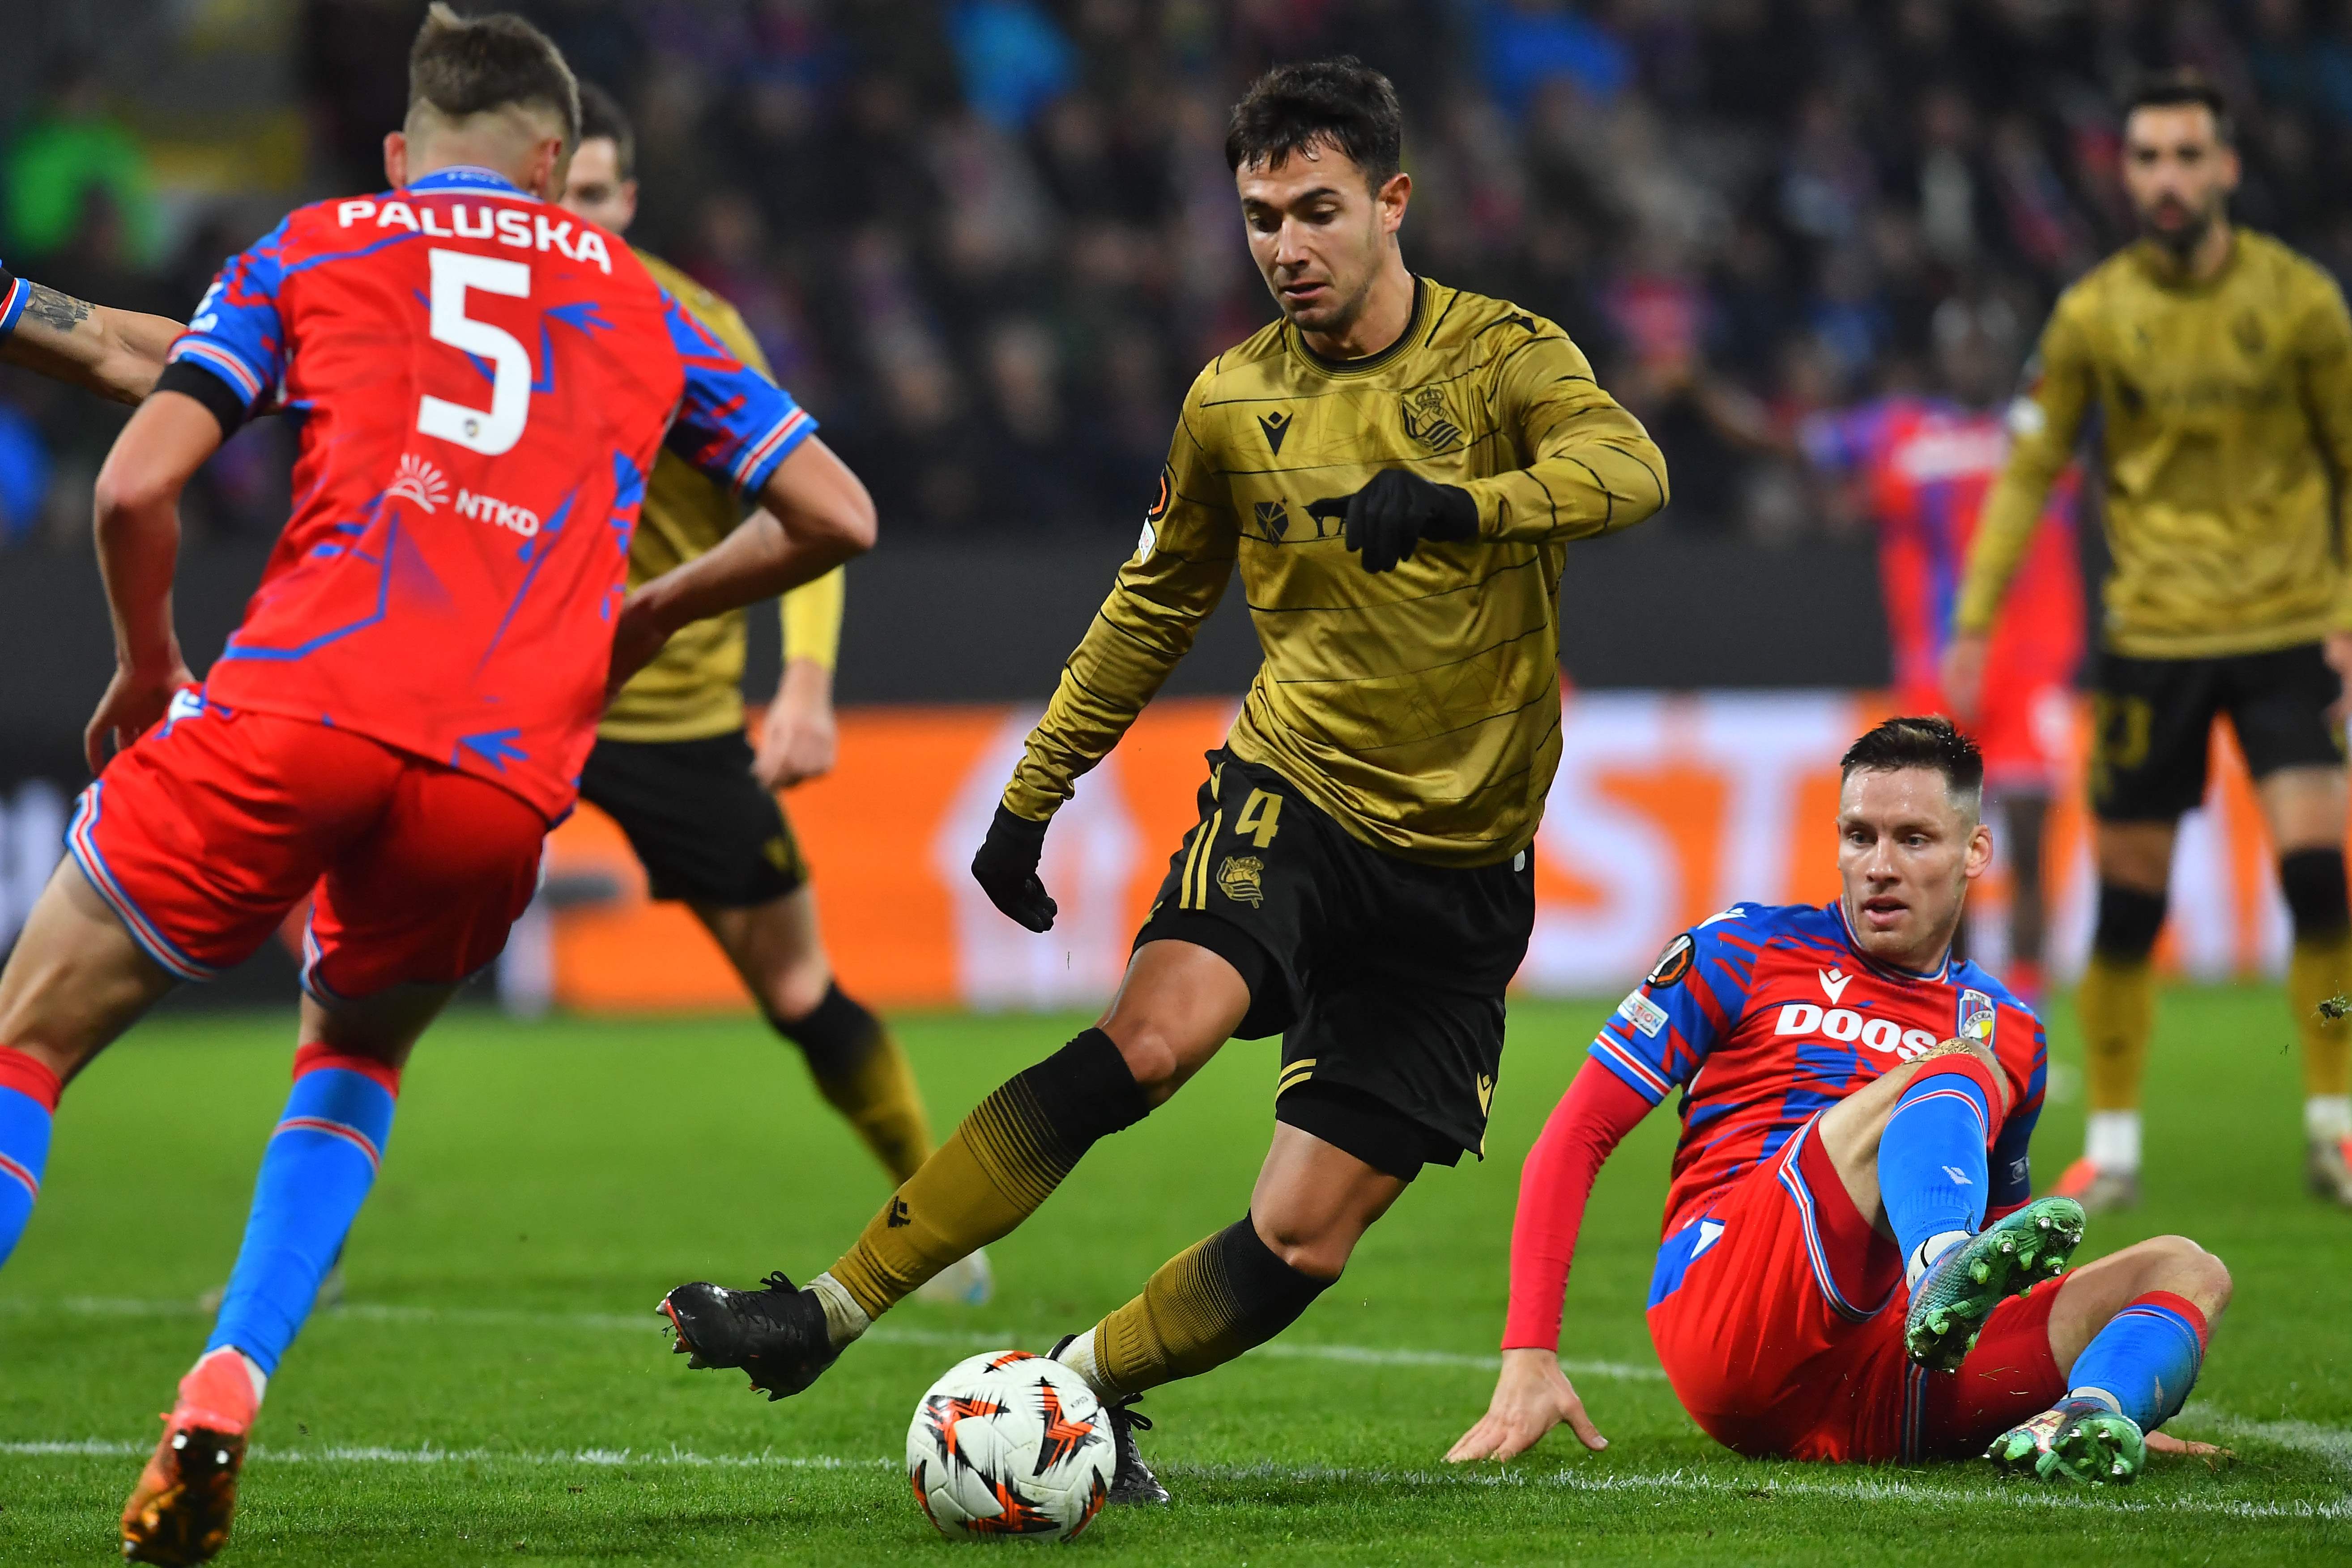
1421 706
693 688
2224 405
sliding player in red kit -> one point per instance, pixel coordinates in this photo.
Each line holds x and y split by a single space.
1856 1106
482 383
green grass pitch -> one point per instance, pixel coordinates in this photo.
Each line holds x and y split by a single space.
497 1390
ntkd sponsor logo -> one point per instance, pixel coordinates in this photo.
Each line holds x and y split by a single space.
1844 1025
488 509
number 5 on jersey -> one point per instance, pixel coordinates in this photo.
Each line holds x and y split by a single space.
496 429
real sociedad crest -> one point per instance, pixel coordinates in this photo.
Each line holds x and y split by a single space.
1976 1018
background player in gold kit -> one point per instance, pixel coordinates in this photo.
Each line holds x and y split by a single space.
673 768
1396 467
2220 364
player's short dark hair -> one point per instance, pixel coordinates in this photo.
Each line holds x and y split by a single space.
601 114
1340 103
1920 743
471 65
2177 88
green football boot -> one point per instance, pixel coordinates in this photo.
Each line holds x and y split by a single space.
2006 1259
2081 1440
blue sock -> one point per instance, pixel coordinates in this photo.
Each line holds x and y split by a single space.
321 1163
2145 1360
29 1094
1931 1157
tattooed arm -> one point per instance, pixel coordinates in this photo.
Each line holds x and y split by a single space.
117 354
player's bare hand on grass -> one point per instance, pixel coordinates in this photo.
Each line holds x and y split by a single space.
1388 519
800 739
133 704
1531 1397
2188 1449
1006 869
1963 674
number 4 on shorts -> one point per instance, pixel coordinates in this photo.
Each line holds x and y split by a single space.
1261 817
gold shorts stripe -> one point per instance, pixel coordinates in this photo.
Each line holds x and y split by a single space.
1191 857
1201 898
1294 1074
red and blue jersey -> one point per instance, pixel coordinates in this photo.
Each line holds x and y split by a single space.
482 383
1764 1016
1924 465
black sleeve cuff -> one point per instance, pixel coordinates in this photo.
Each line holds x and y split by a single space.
213 391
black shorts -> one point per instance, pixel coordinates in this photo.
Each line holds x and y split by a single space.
1384 977
701 826
2150 720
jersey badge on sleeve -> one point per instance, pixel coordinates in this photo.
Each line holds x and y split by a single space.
1674 963
1641 1013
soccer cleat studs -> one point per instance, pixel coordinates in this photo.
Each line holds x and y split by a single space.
2079 1440
1954 1297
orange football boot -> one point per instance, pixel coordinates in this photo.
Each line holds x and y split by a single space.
180 1511
2098 1191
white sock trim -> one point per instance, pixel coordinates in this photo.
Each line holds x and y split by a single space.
1080 1357
2101 1394
844 1319
2111 1141
1924 1256
2326 1118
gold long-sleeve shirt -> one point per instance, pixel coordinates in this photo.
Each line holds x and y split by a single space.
693 688
2225 405
1421 706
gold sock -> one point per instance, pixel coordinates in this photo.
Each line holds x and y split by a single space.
2116 1007
2320 971
876 1095
1004 1160
1203 1308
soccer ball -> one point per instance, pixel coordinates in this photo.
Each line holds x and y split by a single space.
1010 1444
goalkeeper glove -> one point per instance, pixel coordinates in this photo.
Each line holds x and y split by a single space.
1006 869
1388 518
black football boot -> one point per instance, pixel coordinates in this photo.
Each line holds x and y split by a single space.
1132 1481
775 1335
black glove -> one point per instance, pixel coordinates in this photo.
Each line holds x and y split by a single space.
1006 869
1398 510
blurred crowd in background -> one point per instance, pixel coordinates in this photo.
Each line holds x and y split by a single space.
990 242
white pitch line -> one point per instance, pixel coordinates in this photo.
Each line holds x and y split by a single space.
1861 1489
2331 1442
978 1338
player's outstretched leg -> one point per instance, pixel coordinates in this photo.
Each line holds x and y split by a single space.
1178 1003
1005 1160
2136 1371
317 1169
1933 1180
1232 1291
863 1072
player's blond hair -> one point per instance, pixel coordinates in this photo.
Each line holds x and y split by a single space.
461 67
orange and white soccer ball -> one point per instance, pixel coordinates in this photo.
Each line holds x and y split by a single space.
1011 1444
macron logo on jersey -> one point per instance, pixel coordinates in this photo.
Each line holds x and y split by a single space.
507 226
1833 984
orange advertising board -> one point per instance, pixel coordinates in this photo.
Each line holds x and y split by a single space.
1667 807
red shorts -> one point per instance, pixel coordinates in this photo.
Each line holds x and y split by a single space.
205 834
1778 1316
